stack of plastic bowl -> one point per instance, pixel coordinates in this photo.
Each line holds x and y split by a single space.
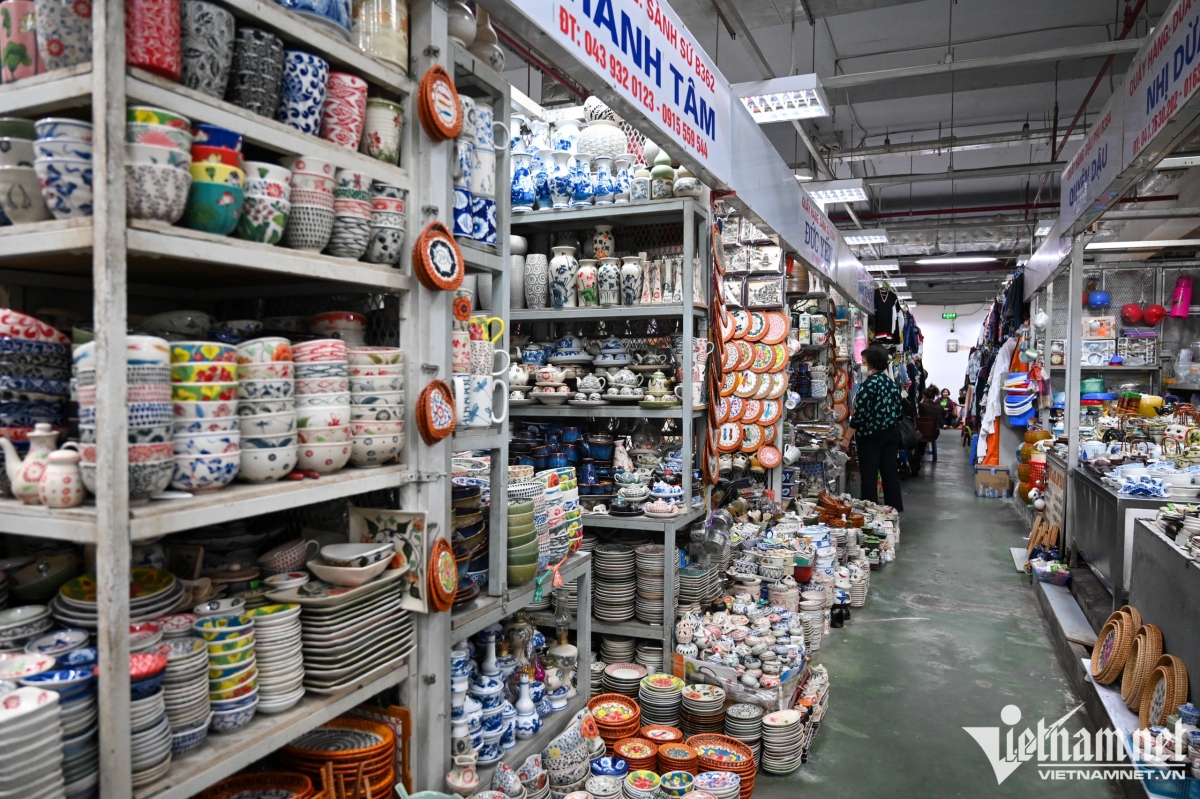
351 215
322 404
232 670
204 392
64 166
157 176
148 402
267 424
268 203
217 192
20 193
311 221
376 376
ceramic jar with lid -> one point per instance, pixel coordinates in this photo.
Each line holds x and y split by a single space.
662 178
639 185
61 485
686 184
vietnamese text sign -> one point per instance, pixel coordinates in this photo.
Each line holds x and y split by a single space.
1164 75
644 52
819 246
1094 167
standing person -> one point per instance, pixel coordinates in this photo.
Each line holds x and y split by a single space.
949 409
929 417
961 417
875 425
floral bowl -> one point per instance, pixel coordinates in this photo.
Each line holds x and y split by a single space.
209 172
202 352
279 370
205 472
263 219
157 155
265 406
204 392
213 207
156 192
324 458
202 372
223 628
207 443
325 435
190 409
269 442
66 186
268 424
369 451
263 170
75 149
242 638
159 136
227 721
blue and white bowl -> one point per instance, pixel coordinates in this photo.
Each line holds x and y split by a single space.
63 128
66 186
188 739
205 472
227 721
333 14
72 149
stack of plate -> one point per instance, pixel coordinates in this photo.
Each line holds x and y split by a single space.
660 696
650 655
185 693
350 744
22 624
744 722
590 541
603 786
677 757
58 643
782 741
858 590
616 649
721 784
596 677
76 689
722 753
622 678
698 586
151 737
232 670
615 583
641 785
280 657
145 636
178 625
152 593
650 583
638 753
32 737
814 628
703 709
617 718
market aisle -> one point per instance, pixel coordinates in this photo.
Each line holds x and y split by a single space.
949 636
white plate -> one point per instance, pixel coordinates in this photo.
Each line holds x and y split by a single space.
333 595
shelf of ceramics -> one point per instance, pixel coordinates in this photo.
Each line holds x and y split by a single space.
1107 368
613 312
647 213
222 755
63 524
297 31
613 411
243 500
40 95
632 628
489 610
552 726
481 257
471 70
144 87
55 237
478 438
676 522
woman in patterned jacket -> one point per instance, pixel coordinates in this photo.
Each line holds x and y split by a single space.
875 426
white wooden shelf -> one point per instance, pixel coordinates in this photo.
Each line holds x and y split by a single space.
43 94
613 312
489 610
633 628
552 726
481 257
478 438
65 524
646 213
53 237
612 411
222 755
679 521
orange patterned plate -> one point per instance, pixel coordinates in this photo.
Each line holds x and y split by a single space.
769 456
778 326
765 386
741 323
748 383
772 410
737 406
731 355
729 437
722 410
745 354
764 356
768 432
729 383
780 381
752 438
758 326
780 357
753 412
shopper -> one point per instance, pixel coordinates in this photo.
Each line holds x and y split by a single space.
875 426
949 409
929 422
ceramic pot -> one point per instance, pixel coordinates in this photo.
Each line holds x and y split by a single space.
464 223
61 485
605 189
381 30
386 244
563 268
541 169
302 92
460 23
153 37
382 128
516 282
257 71
686 184
622 177
603 243
345 110
662 178
208 31
639 186
66 186
213 208
608 282
585 282
483 219
582 185
566 135
64 33
631 280
523 194
561 184
309 227
349 237
602 137
156 191
486 44
537 281
263 219
18 39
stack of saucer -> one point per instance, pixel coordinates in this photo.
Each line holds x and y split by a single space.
699 585
744 722
152 592
650 585
150 740
783 736
640 754
858 590
650 655
145 636
278 651
677 757
22 624
232 672
660 696
814 628
721 784
185 693
603 786
596 677
617 718
622 678
617 649
616 584
703 709
30 726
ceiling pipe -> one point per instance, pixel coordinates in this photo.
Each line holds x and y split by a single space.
991 209
948 144
986 173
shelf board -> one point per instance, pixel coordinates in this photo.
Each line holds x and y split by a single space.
481 257
243 500
642 522
39 95
478 438
222 755
614 313
55 237
144 87
633 628
624 214
62 524
602 412
1107 368
485 611
552 726
475 72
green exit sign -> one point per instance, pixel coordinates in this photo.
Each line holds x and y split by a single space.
949 316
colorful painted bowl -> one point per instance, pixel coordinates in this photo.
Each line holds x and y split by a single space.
204 392
159 136
62 128
216 136
209 172
206 352
156 116
201 372
204 472
264 219
63 148
268 349
213 208
66 186
226 645
206 154
155 154
156 192
223 628
263 170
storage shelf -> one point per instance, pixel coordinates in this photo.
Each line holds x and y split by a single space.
642 522
478 438
632 628
552 726
602 411
222 755
485 611
1110 368
647 213
144 87
475 72
63 524
43 94
614 313
480 257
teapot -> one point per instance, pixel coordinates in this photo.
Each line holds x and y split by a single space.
25 475
591 383
533 355
612 344
551 374
624 377
569 343
659 384
61 485
517 376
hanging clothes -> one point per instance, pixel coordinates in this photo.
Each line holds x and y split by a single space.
888 316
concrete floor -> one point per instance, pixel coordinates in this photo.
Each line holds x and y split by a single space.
949 636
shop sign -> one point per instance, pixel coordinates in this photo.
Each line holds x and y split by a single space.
1164 75
852 277
1093 169
819 247
644 52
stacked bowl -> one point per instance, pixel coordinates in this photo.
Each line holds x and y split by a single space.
522 542
720 753
351 215
157 172
279 657
204 393
388 211
660 696
311 222
31 732
64 166
744 722
720 784
232 672
20 193
148 402
150 741
268 426
470 538
376 381
185 692
323 404
268 203
218 188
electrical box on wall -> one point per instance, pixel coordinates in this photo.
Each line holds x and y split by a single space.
951 345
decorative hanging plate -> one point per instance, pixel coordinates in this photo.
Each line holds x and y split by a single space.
772 410
758 326
752 438
437 260
729 437
765 386
439 107
768 433
435 412
753 411
841 378
729 383
748 383
726 326
443 575
781 357
722 406
841 413
712 462
764 356
780 388
737 407
1158 697
745 354
778 327
769 456
729 359
741 323
718 249
839 396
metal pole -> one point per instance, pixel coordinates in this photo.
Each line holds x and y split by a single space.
1073 364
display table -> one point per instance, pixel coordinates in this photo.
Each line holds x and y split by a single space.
1102 529
1165 588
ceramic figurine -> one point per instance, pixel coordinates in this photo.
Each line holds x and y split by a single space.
582 188
622 177
561 184
25 476
523 194
605 189
563 267
639 186
537 280
608 282
585 281
662 177
631 280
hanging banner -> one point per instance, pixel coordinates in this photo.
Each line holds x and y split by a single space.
1164 75
1044 263
819 246
1092 171
646 54
853 277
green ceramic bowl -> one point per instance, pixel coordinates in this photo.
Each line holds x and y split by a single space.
523 556
519 506
523 529
523 540
17 128
520 575
519 519
213 207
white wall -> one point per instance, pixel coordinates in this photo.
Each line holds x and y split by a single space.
948 369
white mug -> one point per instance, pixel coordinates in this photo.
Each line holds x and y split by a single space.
791 454
480 410
461 383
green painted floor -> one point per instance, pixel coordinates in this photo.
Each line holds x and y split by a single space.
949 636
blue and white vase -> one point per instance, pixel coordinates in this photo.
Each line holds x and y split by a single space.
605 190
608 281
303 94
523 194
566 135
631 280
561 184
540 171
563 269
622 177
582 187
464 224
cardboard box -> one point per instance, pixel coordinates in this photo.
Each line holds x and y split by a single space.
993 481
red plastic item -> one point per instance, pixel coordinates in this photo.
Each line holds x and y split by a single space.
1131 313
1154 314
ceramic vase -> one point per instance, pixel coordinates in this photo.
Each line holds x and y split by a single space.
381 30
631 280
64 33
487 666
648 271
539 137
527 721
541 170
516 282
345 110
208 31
561 183
460 23
608 282
581 181
585 282
667 271
639 186
303 91
563 268
686 184
382 129
662 178
698 281
622 176
257 71
566 135
486 44
18 40
603 243
649 152
605 190
537 281
523 194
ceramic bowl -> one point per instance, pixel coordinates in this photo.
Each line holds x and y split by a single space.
269 442
213 208
268 349
264 219
155 434
377 385
321 369
208 172
223 628
156 155
63 128
324 458
355 555
374 356
225 722
263 170
269 406
307 165
331 323
325 435
207 444
21 195
335 399
369 428
201 372
268 424
205 410
216 136
520 575
322 416
202 352
375 450
523 556
348 238
235 673
63 148
322 385
226 424
319 351
309 227
280 370
266 389
379 398
204 472
232 661
145 479
206 154
16 152
271 189
204 392
188 739
66 186
156 192
159 136
157 116
265 465
377 413
341 575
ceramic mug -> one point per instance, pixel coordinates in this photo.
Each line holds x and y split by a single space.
467 104
483 220
460 351
345 110
464 221
303 91
480 406
257 71
64 33
381 130
480 328
464 150
461 383
483 359
208 32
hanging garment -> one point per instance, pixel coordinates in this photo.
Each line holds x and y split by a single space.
888 324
